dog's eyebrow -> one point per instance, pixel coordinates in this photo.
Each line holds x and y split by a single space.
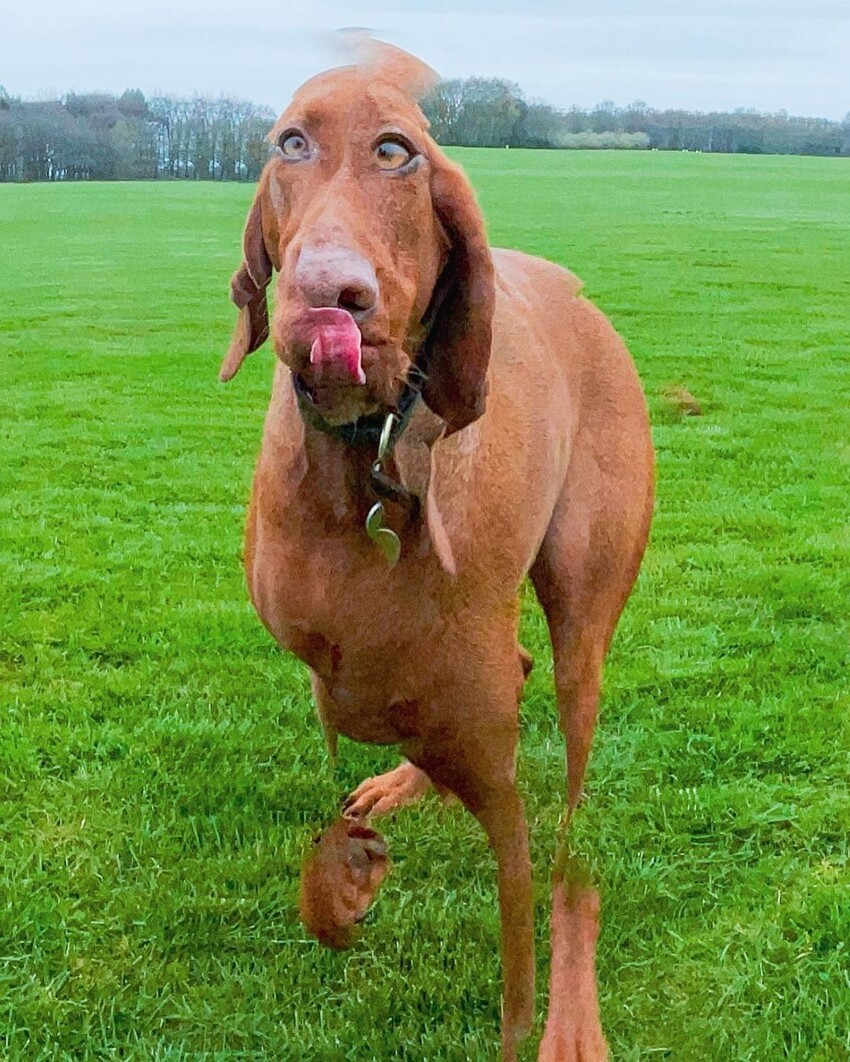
308 115
392 129
289 121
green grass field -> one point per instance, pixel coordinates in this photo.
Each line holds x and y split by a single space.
161 771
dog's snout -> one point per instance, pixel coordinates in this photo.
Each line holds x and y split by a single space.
337 277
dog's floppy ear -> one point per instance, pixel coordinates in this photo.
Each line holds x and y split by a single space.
460 318
248 290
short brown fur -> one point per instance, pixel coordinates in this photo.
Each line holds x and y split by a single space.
531 456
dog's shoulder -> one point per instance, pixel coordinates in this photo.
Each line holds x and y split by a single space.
543 318
538 308
524 275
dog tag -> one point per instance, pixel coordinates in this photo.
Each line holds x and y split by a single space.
389 544
384 538
375 520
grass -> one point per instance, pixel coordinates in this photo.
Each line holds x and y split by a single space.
161 772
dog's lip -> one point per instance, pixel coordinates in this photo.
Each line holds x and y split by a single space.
325 398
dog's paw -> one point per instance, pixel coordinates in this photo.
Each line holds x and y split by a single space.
386 792
573 1045
340 877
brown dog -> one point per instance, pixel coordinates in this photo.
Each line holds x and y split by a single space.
520 447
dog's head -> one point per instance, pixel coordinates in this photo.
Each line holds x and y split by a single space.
379 247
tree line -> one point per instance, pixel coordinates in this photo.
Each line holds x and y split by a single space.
490 112
98 136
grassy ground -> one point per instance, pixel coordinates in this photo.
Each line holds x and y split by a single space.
160 768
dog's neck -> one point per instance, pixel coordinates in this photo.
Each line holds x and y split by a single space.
342 483
337 476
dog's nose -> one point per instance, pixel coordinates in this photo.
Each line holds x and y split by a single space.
337 277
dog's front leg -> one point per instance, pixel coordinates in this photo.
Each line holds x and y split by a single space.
573 1031
503 817
478 766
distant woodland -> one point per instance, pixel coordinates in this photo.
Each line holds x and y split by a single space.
130 138
480 112
98 136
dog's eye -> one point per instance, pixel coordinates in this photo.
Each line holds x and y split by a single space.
392 154
293 145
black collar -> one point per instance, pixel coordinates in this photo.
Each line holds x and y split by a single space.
365 432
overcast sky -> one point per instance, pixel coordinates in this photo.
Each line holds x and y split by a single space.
699 54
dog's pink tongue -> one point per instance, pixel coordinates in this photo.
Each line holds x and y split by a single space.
336 344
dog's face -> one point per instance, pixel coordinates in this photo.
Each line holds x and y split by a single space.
380 253
349 187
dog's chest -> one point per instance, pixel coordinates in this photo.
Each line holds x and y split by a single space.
371 635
